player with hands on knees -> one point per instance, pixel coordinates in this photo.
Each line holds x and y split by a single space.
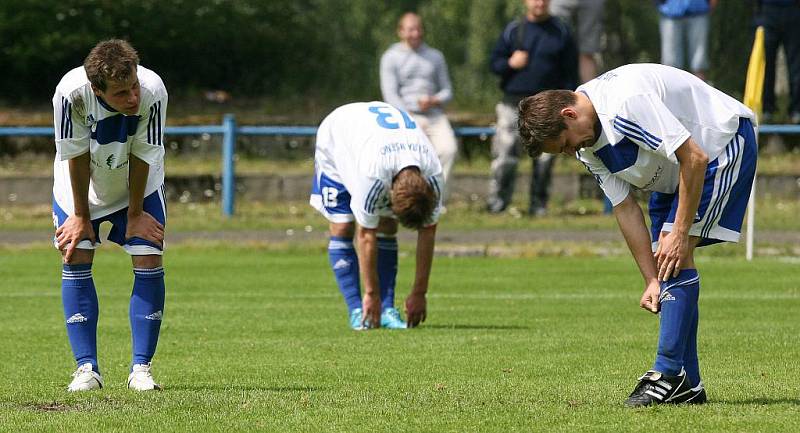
109 117
659 129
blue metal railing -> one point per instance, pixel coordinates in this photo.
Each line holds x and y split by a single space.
229 131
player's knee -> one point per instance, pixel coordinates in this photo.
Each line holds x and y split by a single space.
79 257
346 230
147 262
387 226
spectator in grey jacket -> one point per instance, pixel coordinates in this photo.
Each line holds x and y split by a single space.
414 78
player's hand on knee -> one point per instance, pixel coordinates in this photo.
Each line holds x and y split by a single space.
416 309
371 310
671 251
69 234
144 226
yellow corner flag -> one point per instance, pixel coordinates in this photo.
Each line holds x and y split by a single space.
754 85
753 88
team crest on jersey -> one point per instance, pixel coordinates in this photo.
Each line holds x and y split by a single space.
90 120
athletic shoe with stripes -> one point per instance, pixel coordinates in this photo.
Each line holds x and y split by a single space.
697 396
657 388
85 379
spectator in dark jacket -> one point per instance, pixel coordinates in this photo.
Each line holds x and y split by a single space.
534 53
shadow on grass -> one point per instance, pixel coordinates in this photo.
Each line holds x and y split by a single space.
759 401
229 387
463 326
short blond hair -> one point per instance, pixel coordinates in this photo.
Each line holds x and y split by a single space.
113 59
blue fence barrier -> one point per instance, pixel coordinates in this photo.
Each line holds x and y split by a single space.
229 131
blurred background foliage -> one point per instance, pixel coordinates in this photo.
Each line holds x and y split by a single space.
310 52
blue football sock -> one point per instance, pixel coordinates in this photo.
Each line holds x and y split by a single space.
146 310
344 262
678 308
690 362
79 298
387 269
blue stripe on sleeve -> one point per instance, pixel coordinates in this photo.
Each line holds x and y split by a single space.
435 184
371 194
63 117
69 119
159 135
154 125
149 126
628 125
375 198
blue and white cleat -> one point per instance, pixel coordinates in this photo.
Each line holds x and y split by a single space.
390 319
356 319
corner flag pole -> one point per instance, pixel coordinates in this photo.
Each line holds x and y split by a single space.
753 88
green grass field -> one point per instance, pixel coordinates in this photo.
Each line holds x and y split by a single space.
258 340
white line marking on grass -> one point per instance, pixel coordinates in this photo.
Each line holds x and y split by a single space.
585 296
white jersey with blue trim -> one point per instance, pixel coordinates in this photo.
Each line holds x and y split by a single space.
647 111
366 145
86 123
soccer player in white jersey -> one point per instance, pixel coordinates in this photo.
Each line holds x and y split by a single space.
109 166
374 166
660 129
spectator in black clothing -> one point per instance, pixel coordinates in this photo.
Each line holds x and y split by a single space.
781 21
534 53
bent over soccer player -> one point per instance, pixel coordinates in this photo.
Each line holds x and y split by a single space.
109 166
663 130
374 166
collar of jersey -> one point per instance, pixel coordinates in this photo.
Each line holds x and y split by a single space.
105 104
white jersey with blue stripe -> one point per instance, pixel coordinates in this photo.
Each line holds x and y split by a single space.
365 144
647 111
86 123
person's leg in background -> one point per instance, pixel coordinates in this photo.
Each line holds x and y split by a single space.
589 32
540 184
772 40
672 53
791 45
505 154
438 129
697 41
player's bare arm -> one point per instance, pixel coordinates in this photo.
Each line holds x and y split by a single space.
416 303
367 241
140 223
78 226
634 229
673 252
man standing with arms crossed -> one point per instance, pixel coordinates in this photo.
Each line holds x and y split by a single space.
109 166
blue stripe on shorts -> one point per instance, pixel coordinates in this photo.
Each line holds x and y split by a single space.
726 191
